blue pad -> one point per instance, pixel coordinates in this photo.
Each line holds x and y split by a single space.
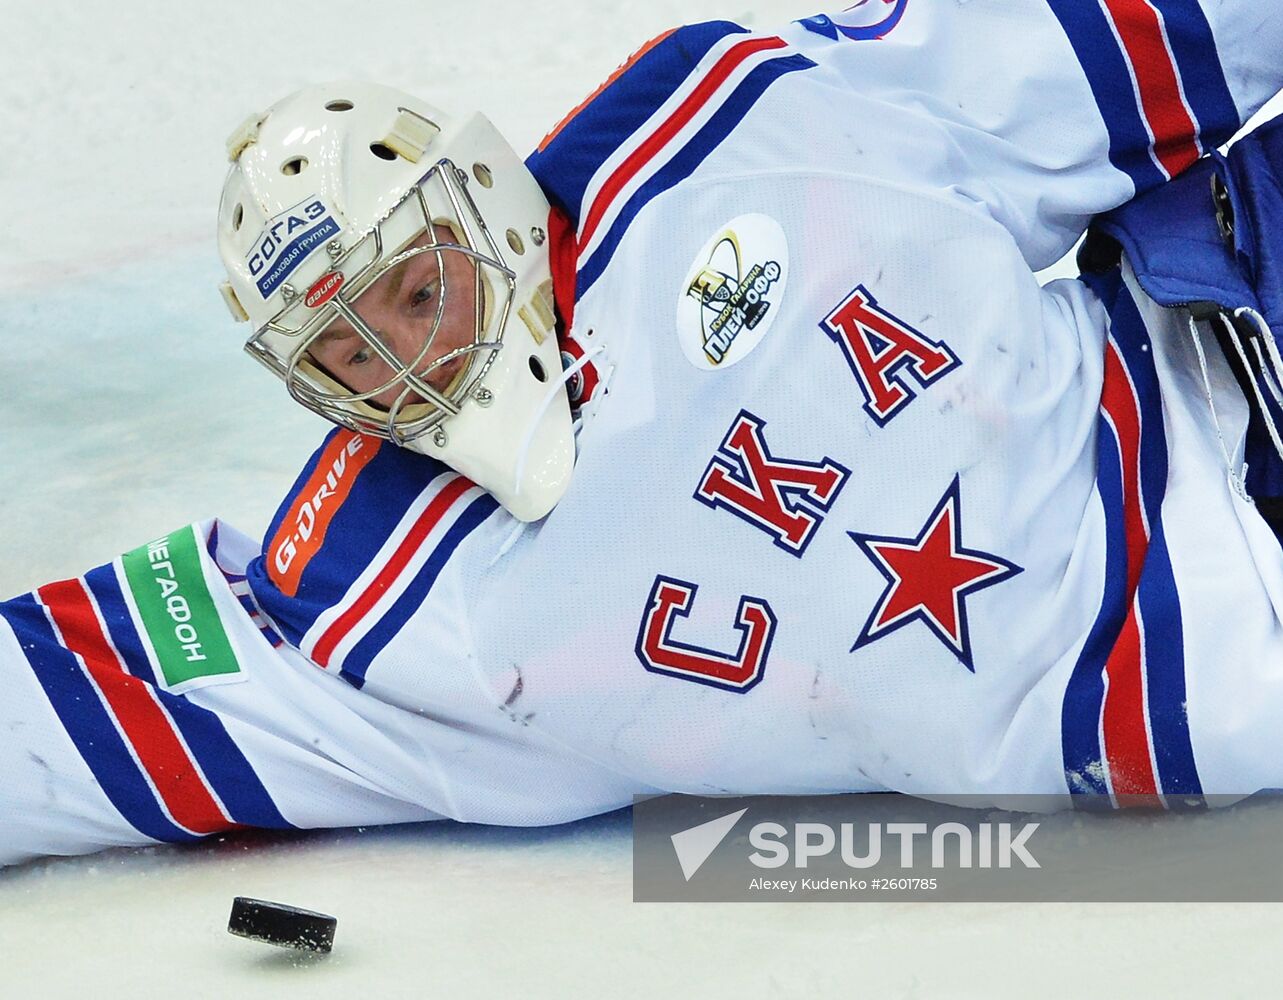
1175 244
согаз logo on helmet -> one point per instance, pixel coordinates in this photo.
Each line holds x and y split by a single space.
279 251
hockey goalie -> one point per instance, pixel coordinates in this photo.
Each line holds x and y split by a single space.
726 444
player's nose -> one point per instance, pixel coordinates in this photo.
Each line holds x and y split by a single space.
402 335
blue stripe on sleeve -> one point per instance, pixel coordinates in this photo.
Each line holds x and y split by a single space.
1106 68
688 159
1202 77
105 588
566 166
357 662
87 723
1165 671
230 774
1085 692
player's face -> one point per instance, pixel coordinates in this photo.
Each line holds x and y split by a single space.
402 307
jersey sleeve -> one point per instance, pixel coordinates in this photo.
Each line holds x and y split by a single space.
1039 113
371 546
1047 112
151 700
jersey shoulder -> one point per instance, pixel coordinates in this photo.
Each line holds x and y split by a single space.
651 125
357 545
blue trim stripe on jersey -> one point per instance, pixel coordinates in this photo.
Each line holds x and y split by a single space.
231 776
1200 70
380 496
1106 65
566 165
211 547
225 767
688 158
104 587
1165 671
1084 728
252 609
357 663
1106 68
87 723
1159 601
1085 692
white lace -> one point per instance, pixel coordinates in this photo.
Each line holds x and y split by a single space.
1263 333
1237 480
1271 368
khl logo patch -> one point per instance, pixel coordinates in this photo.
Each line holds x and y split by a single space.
730 294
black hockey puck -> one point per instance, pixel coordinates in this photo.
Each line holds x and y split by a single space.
276 923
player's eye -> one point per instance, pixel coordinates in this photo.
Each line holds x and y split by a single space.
360 357
425 294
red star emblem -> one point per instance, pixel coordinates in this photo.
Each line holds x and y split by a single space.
929 577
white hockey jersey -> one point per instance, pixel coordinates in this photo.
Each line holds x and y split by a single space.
857 504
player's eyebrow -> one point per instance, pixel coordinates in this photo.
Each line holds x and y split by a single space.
333 332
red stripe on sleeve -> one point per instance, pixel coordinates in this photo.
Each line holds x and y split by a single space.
422 527
146 727
687 110
1124 727
1175 132
1131 768
1118 400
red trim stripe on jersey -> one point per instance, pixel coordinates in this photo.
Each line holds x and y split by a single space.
1141 31
1125 722
1124 717
383 581
650 147
1120 406
145 725
1157 80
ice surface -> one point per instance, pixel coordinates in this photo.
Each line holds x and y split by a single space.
127 409
454 911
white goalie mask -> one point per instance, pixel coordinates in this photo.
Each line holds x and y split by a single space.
358 229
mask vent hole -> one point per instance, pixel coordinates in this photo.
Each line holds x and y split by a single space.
537 369
294 166
514 241
339 106
382 151
238 216
482 173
